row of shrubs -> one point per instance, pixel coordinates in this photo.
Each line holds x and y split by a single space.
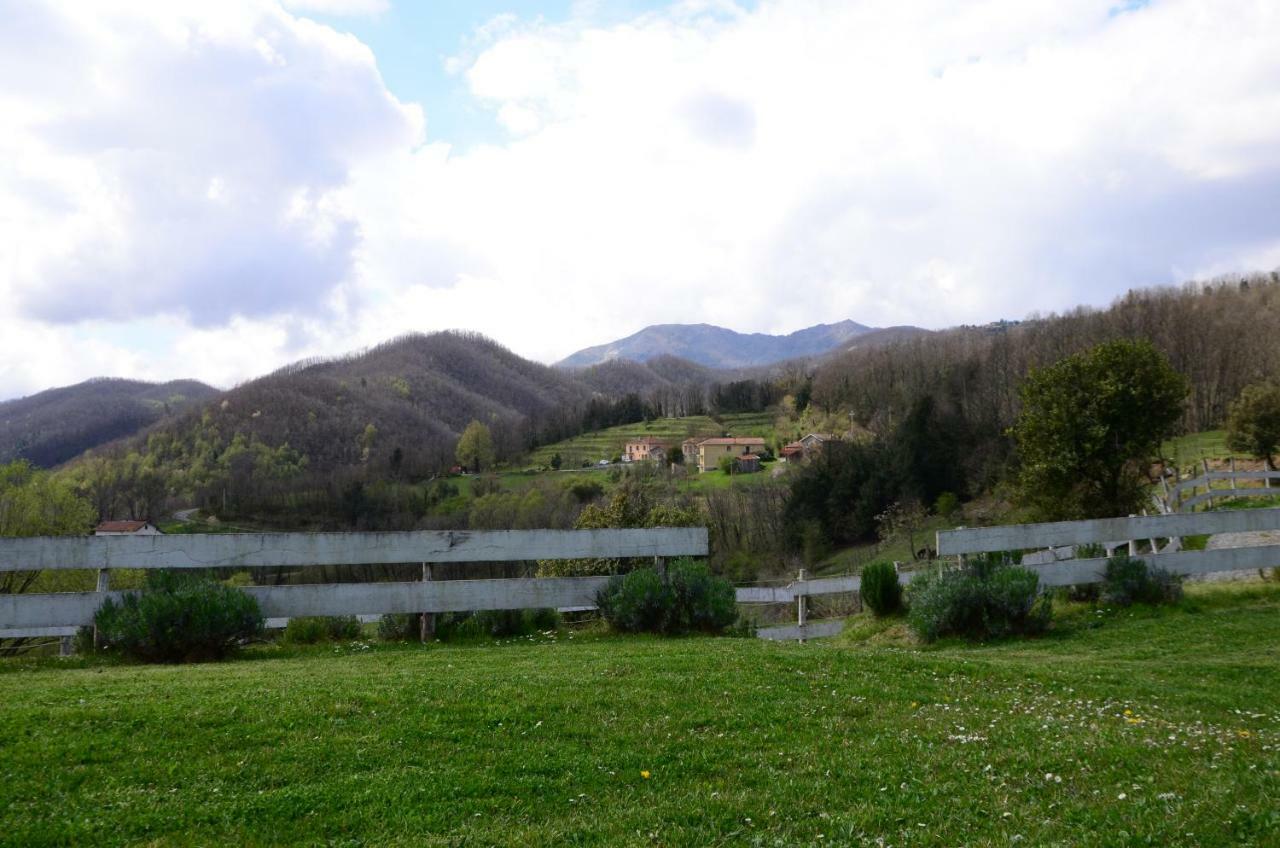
184 617
991 597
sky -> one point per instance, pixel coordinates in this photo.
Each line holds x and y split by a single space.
212 190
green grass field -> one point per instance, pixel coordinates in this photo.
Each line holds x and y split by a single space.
605 444
1144 728
1187 450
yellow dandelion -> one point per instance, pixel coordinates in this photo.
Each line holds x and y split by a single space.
915 704
1244 734
645 775
1128 712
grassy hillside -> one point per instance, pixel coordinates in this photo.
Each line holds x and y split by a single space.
605 444
1188 450
53 426
1150 728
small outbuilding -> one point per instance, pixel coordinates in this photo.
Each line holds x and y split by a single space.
126 528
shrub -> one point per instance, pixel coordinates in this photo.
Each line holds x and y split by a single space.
982 601
946 505
450 626
703 602
689 599
586 491
637 602
881 590
399 627
498 624
179 618
309 630
1128 580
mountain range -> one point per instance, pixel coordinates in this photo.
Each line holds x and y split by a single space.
717 347
55 425
417 393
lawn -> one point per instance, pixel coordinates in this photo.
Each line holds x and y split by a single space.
1144 728
1188 450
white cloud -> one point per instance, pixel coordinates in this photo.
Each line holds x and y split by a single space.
361 8
246 172
190 164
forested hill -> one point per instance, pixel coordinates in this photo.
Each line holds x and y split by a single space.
393 410
53 426
716 347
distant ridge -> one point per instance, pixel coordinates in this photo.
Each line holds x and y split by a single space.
55 425
717 347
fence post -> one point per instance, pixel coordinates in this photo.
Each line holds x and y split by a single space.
802 606
660 565
65 646
1208 483
427 630
104 584
1233 473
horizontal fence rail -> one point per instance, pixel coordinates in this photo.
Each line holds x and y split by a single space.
1075 572
243 550
59 614
71 609
1186 494
1019 537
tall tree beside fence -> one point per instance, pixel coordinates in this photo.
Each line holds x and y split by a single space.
1091 426
1253 424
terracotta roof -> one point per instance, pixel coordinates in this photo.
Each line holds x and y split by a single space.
120 526
747 456
742 440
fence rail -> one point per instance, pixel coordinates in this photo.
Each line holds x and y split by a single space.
1019 537
1176 499
242 550
59 614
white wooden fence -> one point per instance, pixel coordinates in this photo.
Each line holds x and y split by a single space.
1186 495
60 614
1061 538
1023 537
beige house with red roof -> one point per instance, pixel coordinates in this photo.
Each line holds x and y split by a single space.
706 453
643 448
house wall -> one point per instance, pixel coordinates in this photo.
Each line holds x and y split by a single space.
709 455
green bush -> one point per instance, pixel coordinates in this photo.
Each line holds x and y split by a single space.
453 626
309 630
689 599
399 627
498 624
983 601
1128 580
703 602
880 588
637 602
179 618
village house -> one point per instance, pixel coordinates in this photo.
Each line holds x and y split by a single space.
747 464
706 453
805 447
645 448
126 528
